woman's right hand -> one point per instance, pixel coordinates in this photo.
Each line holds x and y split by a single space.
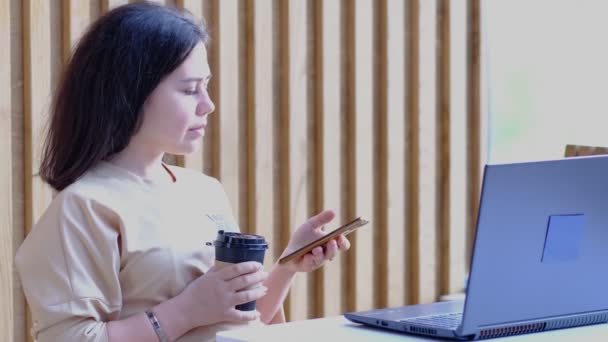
211 298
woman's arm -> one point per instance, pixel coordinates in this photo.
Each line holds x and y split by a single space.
207 300
278 283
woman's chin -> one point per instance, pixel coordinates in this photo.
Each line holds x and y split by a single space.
185 148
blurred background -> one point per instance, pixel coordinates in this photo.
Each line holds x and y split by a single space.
545 72
385 109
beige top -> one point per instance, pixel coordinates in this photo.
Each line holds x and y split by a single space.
114 244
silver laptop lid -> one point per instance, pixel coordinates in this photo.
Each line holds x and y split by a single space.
541 246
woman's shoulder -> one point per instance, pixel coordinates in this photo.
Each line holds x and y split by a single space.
80 211
90 195
93 198
93 186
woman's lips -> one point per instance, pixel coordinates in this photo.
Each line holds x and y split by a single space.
197 128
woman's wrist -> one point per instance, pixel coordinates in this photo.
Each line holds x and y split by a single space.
173 317
284 270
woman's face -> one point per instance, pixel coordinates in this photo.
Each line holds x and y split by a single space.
175 114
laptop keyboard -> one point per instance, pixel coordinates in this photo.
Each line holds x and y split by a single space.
446 321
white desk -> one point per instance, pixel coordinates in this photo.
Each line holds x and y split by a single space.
340 329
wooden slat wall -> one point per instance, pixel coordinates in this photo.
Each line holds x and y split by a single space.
261 108
330 170
412 160
395 98
76 18
473 95
295 121
361 181
227 71
10 322
427 193
443 157
367 107
458 137
37 71
16 322
106 5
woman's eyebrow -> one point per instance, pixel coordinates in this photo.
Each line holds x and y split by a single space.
196 79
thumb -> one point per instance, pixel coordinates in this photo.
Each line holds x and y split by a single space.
320 219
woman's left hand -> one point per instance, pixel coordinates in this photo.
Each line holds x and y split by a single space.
310 231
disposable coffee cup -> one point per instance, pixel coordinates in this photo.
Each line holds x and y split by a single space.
233 248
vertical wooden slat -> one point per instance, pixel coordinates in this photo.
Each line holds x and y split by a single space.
76 18
458 138
380 155
37 89
261 124
329 30
17 216
107 5
211 157
348 158
443 144
397 248
193 6
313 96
245 120
193 160
359 135
473 118
298 19
281 115
9 321
413 150
162 2
228 104
95 9
428 168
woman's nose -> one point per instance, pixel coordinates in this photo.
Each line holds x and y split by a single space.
205 106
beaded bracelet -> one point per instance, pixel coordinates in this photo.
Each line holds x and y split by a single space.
162 336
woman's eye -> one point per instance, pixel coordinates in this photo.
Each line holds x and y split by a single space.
191 91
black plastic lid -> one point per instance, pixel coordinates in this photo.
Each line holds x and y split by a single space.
238 240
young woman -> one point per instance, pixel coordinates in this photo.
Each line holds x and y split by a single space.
120 253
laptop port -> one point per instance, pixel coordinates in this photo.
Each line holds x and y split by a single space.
384 323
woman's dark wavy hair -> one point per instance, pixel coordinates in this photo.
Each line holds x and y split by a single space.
118 62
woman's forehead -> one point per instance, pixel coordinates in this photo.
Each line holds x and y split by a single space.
195 65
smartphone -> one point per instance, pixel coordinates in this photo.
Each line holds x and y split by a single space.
344 230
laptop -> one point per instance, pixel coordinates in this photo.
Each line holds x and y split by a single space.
540 258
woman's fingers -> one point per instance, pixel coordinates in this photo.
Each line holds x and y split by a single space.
308 261
247 280
318 255
247 296
343 243
230 272
331 250
235 315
